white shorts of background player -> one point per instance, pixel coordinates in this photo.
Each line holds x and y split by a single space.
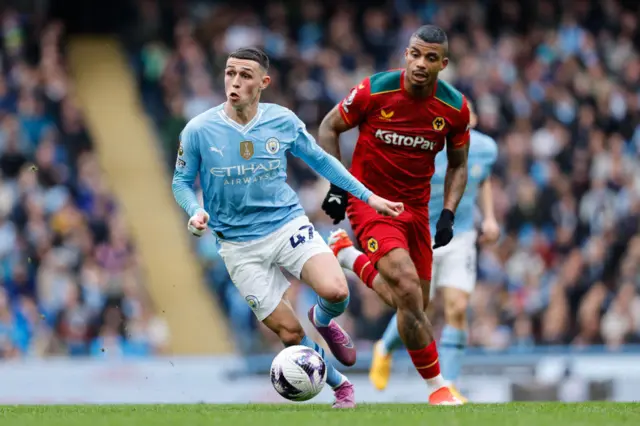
454 265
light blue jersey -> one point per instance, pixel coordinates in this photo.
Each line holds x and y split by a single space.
483 152
243 170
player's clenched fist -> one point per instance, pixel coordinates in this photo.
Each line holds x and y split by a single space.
197 224
335 204
385 207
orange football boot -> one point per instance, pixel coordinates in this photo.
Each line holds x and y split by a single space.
444 396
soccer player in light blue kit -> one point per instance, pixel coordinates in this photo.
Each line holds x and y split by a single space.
454 265
239 150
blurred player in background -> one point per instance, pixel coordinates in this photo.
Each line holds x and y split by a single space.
405 118
454 266
239 149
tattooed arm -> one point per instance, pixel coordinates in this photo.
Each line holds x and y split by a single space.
329 132
455 180
344 116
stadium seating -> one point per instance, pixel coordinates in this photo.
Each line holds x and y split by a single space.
70 282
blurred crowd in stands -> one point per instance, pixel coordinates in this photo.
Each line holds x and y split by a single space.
558 88
70 284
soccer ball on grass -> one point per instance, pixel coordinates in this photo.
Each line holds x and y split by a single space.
298 373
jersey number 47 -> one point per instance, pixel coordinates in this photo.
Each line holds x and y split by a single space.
301 236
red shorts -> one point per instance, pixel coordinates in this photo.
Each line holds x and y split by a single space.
378 235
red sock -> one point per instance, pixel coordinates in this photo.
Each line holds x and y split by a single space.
365 270
426 361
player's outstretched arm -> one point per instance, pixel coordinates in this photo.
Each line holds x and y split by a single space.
184 175
334 171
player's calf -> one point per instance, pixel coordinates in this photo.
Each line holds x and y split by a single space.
453 341
456 303
413 326
323 273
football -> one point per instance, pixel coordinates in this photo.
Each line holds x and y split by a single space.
298 373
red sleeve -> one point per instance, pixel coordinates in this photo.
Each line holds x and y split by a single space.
353 108
459 133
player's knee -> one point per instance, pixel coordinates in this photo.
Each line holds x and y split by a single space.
291 335
406 287
336 289
399 267
408 294
404 282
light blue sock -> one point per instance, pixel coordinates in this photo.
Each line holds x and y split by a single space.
334 377
453 343
326 311
391 338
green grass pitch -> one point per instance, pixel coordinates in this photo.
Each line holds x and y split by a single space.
515 414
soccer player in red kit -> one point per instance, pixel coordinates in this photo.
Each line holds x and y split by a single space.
405 117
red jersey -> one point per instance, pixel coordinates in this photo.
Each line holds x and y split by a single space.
401 135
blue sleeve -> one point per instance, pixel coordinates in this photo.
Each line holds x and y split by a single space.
492 150
483 152
327 166
491 155
187 166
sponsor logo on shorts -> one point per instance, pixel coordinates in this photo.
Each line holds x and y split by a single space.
438 123
253 302
372 245
246 149
392 138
